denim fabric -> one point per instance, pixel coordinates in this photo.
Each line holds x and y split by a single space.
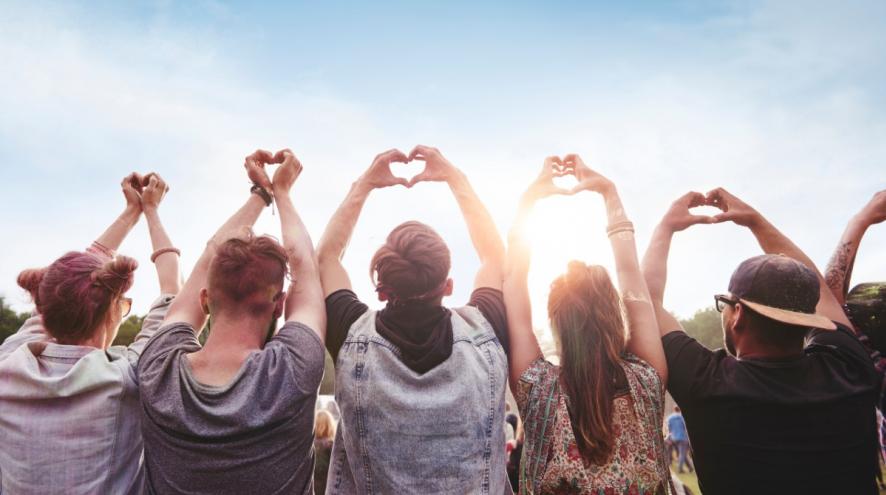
404 432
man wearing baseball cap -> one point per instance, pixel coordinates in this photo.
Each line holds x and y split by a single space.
788 406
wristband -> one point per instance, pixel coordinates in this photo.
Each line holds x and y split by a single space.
620 226
165 250
262 193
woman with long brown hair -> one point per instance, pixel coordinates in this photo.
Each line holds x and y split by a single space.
593 423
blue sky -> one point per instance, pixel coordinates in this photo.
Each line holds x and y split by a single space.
780 102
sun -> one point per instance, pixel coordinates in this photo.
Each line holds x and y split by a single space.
562 229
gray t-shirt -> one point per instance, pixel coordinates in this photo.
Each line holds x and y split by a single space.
253 435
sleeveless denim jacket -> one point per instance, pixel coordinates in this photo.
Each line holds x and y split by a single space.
439 432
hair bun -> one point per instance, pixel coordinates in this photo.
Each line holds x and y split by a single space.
30 281
116 275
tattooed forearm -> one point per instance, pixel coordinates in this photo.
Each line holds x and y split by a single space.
839 271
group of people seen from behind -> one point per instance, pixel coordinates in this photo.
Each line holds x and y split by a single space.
787 406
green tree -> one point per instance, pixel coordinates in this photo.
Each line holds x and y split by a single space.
10 321
128 330
705 327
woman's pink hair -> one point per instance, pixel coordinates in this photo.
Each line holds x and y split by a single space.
75 293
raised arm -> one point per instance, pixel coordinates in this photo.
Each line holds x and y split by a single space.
524 349
839 271
772 241
165 256
484 234
109 241
643 333
304 303
655 261
186 307
332 246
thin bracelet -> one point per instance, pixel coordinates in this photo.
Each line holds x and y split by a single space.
102 249
262 193
627 224
165 250
619 231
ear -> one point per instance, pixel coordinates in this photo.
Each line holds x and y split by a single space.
447 291
278 306
739 319
204 300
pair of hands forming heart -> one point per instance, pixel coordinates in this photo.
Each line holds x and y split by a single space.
285 175
733 210
143 192
572 164
437 168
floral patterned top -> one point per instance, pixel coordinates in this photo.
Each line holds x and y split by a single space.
551 460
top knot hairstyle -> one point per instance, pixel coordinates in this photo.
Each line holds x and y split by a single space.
30 281
412 264
247 274
75 294
586 316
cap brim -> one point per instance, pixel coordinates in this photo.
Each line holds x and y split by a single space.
791 317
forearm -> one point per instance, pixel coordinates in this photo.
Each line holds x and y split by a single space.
624 249
839 270
338 232
524 348
481 227
655 263
296 240
114 235
167 264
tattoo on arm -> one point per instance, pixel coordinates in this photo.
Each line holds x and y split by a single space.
839 270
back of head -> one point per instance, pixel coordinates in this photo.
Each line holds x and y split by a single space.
586 318
413 263
246 276
75 294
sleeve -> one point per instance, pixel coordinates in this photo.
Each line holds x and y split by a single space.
150 325
31 331
342 310
491 304
844 342
166 344
690 365
306 356
534 377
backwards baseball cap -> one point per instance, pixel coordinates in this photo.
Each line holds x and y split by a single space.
779 288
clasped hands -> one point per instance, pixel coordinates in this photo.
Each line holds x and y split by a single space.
143 192
285 175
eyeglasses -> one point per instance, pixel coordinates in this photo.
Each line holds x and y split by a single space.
720 302
125 306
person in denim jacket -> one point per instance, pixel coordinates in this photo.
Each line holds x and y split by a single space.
420 386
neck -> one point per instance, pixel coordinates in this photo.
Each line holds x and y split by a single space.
100 340
755 350
235 335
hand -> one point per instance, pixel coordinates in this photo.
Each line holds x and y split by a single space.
678 217
132 186
543 185
437 168
379 173
255 168
155 190
875 211
287 173
734 209
588 179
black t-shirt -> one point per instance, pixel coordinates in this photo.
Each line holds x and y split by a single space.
805 425
421 333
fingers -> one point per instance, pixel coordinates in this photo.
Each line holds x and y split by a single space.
421 152
693 199
261 157
719 198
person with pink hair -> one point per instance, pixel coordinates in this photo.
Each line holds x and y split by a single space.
68 397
